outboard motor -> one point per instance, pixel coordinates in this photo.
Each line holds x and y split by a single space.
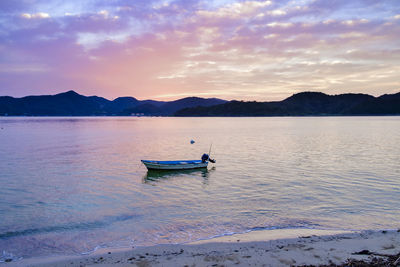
205 157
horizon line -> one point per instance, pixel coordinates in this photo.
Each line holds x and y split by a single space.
350 93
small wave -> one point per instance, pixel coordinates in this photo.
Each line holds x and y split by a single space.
8 257
68 227
93 250
261 228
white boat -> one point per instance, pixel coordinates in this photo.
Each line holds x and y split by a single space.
175 165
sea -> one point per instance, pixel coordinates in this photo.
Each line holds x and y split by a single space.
72 185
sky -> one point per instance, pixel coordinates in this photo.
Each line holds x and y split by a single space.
170 49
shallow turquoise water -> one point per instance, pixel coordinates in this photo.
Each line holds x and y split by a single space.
69 185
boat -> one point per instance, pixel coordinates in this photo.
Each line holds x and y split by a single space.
178 164
155 175
174 165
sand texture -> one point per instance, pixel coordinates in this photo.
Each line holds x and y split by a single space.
300 247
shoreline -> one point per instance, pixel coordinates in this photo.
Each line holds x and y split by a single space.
280 247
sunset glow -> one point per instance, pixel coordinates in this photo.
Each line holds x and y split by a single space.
169 49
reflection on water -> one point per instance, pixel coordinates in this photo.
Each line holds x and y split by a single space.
163 175
57 120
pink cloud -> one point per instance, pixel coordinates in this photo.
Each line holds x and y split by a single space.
241 50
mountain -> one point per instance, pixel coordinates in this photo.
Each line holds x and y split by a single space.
311 103
120 103
160 108
383 105
304 104
73 104
67 104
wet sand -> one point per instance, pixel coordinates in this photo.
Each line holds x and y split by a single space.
283 247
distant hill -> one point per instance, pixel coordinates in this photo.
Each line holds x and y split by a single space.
304 104
73 104
157 108
69 104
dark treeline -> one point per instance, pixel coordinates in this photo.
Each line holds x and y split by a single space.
305 104
302 104
73 104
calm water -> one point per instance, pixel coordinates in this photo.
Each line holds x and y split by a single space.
69 185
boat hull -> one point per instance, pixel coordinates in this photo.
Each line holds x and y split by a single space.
174 165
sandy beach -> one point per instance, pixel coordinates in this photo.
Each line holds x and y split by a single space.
283 247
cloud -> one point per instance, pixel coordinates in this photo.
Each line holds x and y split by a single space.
235 10
40 15
260 50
